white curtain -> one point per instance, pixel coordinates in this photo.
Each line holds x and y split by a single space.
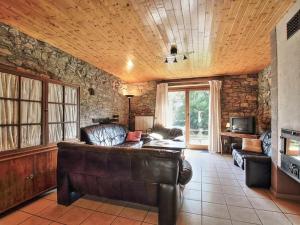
161 107
8 111
214 116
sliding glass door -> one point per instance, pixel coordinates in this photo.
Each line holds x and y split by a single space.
197 136
189 110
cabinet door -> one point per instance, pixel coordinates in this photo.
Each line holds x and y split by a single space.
16 183
45 171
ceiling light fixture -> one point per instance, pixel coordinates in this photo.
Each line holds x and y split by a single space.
129 64
173 55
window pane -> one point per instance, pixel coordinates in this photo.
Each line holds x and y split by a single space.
31 112
31 135
55 93
8 138
8 112
31 89
55 113
55 133
70 113
9 85
176 107
199 107
70 130
70 95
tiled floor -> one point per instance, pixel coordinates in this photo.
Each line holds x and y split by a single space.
216 195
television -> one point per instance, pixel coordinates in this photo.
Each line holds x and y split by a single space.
244 125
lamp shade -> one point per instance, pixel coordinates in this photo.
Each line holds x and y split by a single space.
227 125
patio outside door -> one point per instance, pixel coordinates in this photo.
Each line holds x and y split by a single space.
189 110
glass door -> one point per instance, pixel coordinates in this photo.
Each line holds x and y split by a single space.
197 119
188 109
176 110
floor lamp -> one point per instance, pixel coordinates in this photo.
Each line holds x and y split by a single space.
129 110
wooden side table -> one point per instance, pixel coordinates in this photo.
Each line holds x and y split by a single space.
228 136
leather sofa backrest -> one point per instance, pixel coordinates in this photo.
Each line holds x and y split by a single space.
266 143
118 163
104 134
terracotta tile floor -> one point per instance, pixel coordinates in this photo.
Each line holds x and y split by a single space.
217 195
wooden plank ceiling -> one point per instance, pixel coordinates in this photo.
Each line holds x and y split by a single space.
226 36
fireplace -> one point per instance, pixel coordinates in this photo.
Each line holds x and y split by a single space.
290 153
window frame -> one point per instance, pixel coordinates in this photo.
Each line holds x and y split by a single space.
45 80
64 85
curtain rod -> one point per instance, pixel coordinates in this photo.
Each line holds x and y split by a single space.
192 80
181 85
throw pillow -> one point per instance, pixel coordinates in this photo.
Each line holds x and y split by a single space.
134 136
251 145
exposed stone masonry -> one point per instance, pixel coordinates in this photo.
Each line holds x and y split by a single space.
18 49
264 100
143 104
238 97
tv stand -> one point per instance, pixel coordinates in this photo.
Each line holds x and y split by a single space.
227 136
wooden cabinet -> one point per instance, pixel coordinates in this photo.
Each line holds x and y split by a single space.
26 175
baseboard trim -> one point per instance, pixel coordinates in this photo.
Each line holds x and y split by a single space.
285 196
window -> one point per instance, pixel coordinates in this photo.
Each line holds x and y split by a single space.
23 119
62 112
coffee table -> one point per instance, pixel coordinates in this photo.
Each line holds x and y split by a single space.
166 144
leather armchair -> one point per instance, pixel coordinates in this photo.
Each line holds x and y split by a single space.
257 166
146 176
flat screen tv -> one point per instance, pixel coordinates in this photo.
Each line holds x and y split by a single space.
244 125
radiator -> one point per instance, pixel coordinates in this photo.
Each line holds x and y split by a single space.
144 123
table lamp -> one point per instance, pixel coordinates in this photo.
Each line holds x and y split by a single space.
228 126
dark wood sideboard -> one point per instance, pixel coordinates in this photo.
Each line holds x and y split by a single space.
26 174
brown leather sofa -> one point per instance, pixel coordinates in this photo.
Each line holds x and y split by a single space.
146 176
165 133
107 135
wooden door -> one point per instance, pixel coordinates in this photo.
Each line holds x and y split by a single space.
45 171
16 183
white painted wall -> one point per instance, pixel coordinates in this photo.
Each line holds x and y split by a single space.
288 53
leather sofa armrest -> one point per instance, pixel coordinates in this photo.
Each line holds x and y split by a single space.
236 146
258 171
185 173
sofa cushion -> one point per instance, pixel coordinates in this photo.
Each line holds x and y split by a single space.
251 145
134 136
266 143
131 144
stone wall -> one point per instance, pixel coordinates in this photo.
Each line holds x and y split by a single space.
238 97
264 100
18 49
143 102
